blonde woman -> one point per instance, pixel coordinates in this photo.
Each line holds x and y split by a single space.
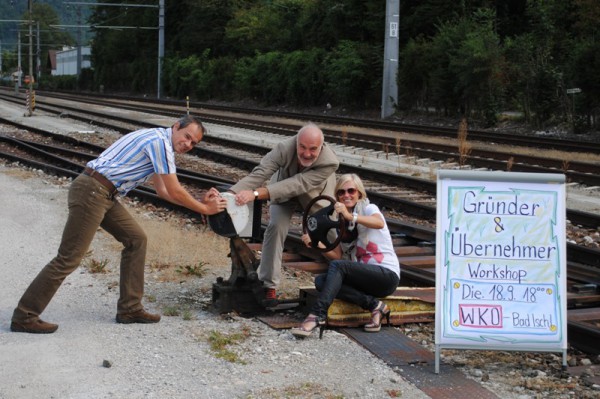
363 267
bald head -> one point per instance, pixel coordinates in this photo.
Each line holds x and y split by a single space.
309 143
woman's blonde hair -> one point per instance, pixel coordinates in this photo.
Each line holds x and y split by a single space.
362 193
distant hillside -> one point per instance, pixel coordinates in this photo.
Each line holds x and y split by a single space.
17 10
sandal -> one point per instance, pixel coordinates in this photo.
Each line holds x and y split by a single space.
381 310
302 331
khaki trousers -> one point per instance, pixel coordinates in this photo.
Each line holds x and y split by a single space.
269 270
90 207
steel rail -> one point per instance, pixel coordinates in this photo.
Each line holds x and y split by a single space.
575 253
501 137
582 335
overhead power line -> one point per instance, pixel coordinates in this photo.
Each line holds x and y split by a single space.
104 27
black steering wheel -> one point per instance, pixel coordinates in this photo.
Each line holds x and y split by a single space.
318 225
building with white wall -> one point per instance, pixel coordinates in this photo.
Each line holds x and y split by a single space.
66 60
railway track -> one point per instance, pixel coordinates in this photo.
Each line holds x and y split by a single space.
419 268
391 143
413 196
506 137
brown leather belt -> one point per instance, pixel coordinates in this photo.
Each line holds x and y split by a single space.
101 179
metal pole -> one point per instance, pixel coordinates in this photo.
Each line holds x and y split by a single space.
19 68
161 44
389 86
38 53
30 103
78 45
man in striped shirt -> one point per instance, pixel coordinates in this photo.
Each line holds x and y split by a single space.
132 160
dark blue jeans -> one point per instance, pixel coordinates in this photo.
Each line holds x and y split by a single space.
354 282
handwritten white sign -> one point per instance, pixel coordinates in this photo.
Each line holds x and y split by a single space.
501 261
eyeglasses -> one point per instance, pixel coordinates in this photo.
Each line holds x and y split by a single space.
342 192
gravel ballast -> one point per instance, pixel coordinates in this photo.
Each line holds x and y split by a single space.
91 356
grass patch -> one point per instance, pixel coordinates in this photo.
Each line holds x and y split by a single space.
171 311
174 311
220 343
198 270
96 266
187 315
177 252
150 298
303 390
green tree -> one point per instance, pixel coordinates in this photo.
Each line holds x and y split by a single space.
346 71
460 70
414 74
180 75
195 26
536 73
325 23
586 64
471 57
51 38
305 77
478 68
263 27
124 53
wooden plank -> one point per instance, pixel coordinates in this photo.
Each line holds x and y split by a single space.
291 257
311 267
412 250
417 260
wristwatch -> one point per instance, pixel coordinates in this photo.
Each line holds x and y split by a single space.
255 194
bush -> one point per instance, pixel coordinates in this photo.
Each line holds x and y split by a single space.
180 76
215 79
261 77
62 82
346 73
305 77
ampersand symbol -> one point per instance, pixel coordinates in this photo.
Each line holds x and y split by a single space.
499 227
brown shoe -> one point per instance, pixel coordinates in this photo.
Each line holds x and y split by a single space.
34 327
141 316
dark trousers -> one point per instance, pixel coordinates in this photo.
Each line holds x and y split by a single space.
90 206
354 282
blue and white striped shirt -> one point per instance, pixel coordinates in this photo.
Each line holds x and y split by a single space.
135 157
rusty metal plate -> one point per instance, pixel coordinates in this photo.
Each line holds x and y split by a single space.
417 365
393 347
279 321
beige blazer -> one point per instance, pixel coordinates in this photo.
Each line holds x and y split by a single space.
280 166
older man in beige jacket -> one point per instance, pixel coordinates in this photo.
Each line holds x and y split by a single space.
298 169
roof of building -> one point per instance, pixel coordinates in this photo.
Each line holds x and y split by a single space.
51 63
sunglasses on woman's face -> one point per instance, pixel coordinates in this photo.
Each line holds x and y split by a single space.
342 192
